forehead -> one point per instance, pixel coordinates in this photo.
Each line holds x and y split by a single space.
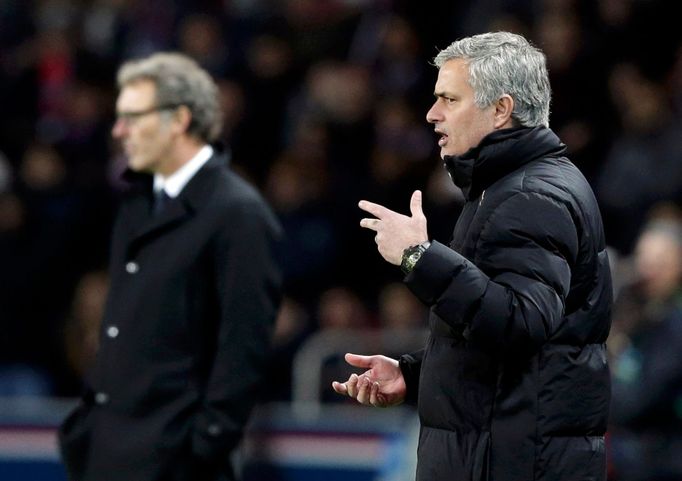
453 76
138 95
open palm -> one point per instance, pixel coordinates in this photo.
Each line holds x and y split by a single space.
382 385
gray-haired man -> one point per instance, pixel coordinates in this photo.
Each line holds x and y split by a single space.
194 293
513 383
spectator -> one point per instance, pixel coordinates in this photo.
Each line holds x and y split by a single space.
646 347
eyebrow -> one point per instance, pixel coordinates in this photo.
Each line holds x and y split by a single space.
148 110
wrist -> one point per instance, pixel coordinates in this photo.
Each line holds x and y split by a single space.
412 255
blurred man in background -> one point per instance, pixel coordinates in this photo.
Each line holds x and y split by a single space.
194 293
646 355
513 383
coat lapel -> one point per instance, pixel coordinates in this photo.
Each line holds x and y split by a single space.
178 210
153 226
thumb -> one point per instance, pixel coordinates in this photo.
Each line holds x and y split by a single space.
416 204
359 361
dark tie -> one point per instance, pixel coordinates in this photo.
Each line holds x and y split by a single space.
161 200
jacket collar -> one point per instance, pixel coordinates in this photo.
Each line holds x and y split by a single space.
196 193
142 182
498 154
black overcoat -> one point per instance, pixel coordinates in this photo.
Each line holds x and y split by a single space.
513 384
185 335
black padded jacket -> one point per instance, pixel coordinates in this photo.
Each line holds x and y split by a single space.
513 384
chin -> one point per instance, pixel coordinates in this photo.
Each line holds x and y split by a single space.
136 167
444 152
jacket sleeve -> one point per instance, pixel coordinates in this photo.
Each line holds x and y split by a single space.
248 281
511 296
410 366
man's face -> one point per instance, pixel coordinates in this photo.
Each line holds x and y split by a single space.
456 118
145 135
658 263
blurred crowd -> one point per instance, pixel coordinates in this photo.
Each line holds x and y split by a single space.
325 102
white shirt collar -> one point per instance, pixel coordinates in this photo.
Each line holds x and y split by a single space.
177 181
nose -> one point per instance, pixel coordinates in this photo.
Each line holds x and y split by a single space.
119 129
433 116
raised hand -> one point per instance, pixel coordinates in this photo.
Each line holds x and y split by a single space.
396 232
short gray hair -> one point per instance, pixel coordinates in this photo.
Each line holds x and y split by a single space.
505 63
179 81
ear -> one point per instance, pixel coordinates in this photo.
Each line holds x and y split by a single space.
182 117
503 111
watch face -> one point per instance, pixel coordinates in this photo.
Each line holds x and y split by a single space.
412 256
412 259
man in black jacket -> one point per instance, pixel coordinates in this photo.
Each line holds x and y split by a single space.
513 383
194 293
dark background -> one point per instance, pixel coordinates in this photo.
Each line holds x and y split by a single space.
325 104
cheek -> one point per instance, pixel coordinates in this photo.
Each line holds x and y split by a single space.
151 140
479 127
468 130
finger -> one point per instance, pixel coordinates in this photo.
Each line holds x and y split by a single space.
352 385
374 395
363 391
370 223
416 204
340 387
358 361
375 209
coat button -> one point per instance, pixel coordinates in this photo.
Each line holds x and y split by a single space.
112 331
214 430
101 398
132 267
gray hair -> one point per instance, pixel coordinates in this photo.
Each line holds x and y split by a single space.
179 81
505 63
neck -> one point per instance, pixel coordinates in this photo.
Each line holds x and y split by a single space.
183 150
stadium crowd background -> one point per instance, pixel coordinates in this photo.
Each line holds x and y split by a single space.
325 104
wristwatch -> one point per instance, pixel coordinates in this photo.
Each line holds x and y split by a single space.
411 256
